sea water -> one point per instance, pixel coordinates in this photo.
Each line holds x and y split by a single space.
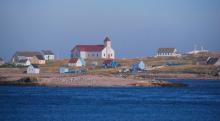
200 101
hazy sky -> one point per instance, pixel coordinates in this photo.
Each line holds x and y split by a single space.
136 27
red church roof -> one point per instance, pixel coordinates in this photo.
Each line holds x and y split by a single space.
90 48
73 60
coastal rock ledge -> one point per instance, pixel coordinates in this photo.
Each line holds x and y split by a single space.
88 81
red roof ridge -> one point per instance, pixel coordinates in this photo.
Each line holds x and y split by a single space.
90 48
73 60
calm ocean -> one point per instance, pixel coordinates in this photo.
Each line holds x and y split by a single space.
198 102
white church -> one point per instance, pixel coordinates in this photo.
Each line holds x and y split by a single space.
94 51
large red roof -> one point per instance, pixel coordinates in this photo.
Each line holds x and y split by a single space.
90 48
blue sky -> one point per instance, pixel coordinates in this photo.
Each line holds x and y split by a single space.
136 27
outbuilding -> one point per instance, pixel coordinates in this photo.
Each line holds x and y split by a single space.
33 69
77 62
110 64
63 70
138 66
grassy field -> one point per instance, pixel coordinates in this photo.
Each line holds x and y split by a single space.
187 65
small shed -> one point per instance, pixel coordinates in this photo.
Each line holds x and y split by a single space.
110 64
33 69
63 70
77 62
138 66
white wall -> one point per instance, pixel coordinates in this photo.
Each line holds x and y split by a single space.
49 57
93 55
108 51
31 70
77 64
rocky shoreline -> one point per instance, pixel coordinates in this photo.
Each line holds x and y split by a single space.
59 80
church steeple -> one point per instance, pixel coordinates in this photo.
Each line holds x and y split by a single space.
107 42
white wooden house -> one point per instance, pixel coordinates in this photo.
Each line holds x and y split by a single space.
77 62
94 51
23 62
33 69
167 52
138 66
48 55
39 59
32 56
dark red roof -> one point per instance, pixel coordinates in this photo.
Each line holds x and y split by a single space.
73 60
166 50
107 62
90 48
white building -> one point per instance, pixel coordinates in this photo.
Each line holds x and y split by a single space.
23 62
197 51
34 57
33 69
94 51
77 62
167 52
38 59
48 55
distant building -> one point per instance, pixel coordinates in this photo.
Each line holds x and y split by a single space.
94 51
2 62
196 51
213 61
33 69
38 59
23 62
48 55
63 70
94 63
32 56
167 52
77 62
138 66
110 64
